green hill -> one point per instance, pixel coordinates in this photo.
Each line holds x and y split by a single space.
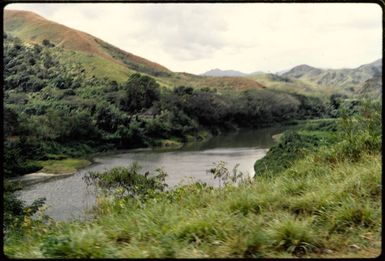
33 28
103 59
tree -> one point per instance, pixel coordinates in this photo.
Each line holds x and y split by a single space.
141 93
47 43
11 122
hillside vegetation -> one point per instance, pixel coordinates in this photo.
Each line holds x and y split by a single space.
54 105
105 58
325 203
33 28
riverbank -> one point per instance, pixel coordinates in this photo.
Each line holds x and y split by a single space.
62 165
53 168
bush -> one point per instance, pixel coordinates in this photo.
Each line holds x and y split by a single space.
29 167
14 209
15 154
141 93
359 133
128 181
290 147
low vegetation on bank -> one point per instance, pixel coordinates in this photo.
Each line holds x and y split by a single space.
320 198
63 166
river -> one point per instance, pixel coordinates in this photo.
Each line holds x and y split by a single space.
68 197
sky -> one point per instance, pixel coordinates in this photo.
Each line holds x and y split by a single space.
251 37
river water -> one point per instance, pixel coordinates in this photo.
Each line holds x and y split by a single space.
68 197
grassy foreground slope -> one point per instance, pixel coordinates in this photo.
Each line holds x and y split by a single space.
326 203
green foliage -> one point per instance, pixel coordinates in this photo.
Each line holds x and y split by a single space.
15 211
63 166
354 135
10 122
15 157
244 203
359 133
294 236
90 243
311 106
336 100
128 181
354 214
290 147
47 43
141 93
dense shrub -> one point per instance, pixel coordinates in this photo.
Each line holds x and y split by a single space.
141 93
128 181
357 132
290 147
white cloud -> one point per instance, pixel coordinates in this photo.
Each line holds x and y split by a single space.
245 37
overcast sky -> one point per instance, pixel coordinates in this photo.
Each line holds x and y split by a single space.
246 37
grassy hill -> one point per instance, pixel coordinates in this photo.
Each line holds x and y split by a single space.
102 59
33 28
307 79
372 87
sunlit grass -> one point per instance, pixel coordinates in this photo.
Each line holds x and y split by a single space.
63 166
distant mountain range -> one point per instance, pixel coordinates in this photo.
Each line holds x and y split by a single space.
308 77
223 73
228 73
345 78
